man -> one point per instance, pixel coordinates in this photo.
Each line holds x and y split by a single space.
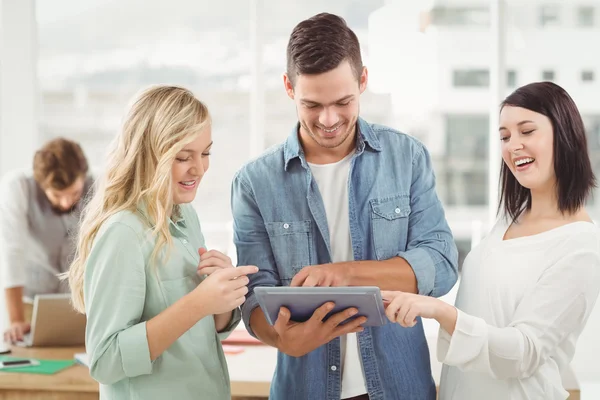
341 203
39 216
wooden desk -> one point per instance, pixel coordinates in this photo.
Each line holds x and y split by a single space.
250 373
73 383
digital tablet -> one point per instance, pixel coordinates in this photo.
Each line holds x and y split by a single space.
303 301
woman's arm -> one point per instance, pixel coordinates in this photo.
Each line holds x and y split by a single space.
557 306
115 292
119 343
223 320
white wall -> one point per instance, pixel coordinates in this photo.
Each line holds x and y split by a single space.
18 84
18 92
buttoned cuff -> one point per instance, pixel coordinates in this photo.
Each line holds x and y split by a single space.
135 353
236 316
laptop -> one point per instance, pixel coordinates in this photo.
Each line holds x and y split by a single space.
54 322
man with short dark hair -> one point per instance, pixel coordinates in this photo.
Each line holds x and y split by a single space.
341 203
39 217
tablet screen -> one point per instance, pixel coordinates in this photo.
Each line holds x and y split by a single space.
303 301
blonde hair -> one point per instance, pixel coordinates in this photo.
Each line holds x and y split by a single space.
160 123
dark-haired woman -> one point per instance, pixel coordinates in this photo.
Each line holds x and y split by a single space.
528 289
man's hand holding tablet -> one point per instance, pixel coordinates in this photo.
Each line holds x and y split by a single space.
299 338
305 318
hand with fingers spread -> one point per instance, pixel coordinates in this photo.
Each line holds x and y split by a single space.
224 289
404 308
17 331
325 275
212 260
299 338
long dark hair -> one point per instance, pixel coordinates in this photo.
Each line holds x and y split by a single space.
572 167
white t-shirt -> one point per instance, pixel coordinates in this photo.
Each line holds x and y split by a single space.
522 305
332 180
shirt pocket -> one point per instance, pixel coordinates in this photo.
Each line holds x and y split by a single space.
174 289
389 224
290 241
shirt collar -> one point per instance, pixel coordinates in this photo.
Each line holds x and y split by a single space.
365 137
176 222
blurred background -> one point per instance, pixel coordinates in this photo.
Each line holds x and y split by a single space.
438 69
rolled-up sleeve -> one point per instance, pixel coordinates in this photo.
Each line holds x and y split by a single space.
115 292
252 245
233 323
430 250
14 231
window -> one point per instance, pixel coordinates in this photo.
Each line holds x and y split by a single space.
465 165
464 248
467 136
480 78
549 15
587 76
471 78
586 16
592 131
548 75
86 83
511 78
460 16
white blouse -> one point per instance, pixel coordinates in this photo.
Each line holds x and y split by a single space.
522 305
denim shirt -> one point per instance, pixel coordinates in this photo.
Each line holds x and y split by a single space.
280 226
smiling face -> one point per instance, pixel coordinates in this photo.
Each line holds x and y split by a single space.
190 165
327 105
527 147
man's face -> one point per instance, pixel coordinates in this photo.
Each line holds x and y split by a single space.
327 105
63 201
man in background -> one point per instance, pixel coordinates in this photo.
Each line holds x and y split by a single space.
39 218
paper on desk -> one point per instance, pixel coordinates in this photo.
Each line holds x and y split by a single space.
83 359
46 367
4 348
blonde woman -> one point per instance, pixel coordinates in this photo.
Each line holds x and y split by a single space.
153 323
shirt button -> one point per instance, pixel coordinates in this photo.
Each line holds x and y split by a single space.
285 226
184 241
397 211
333 368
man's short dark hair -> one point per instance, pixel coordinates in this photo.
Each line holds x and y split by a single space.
320 44
572 167
58 164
